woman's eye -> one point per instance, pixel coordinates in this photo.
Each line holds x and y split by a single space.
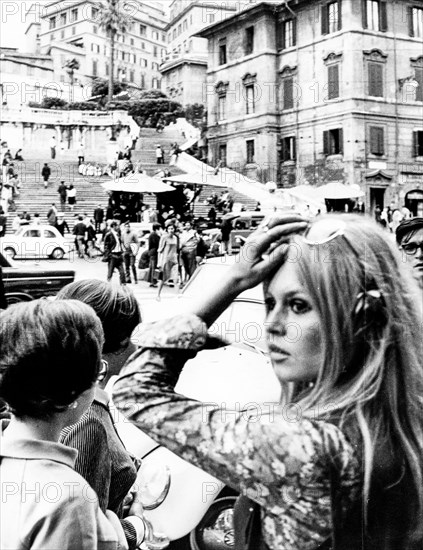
269 303
300 306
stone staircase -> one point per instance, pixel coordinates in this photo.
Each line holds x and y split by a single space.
89 191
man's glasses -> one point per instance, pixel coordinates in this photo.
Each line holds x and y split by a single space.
104 369
411 248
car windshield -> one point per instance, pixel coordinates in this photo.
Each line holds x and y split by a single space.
206 276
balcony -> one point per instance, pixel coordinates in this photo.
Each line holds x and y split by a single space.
53 117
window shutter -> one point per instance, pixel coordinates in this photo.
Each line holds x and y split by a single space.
418 75
288 99
333 81
284 150
376 140
294 149
381 144
326 142
410 21
375 80
341 141
294 32
415 144
383 19
339 15
280 35
364 13
325 19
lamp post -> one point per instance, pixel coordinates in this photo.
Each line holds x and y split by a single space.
71 66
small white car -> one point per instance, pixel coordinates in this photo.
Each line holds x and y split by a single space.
36 241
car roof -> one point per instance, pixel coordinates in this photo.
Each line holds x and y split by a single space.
218 265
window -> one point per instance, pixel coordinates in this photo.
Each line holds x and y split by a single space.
95 29
63 18
418 143
155 51
333 142
288 148
211 18
250 151
333 81
74 16
73 31
131 76
250 99
221 107
174 34
123 56
52 23
288 92
62 34
249 40
49 234
94 13
377 145
143 30
94 68
223 150
331 18
142 81
155 66
415 21
418 75
143 62
107 69
185 25
374 15
163 38
132 41
179 29
289 34
143 45
375 79
155 35
222 53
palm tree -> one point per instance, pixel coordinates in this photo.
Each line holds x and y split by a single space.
71 66
112 21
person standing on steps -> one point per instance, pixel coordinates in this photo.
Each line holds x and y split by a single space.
52 215
46 172
53 145
63 192
61 224
98 218
71 197
159 155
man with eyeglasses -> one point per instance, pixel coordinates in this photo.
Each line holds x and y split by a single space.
409 235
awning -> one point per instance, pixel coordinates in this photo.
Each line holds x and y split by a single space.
336 190
138 183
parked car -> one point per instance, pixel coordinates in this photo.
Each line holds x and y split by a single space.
182 502
243 225
25 283
36 241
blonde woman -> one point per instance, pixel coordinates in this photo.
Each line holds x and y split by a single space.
341 466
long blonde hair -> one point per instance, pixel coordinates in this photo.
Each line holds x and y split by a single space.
372 370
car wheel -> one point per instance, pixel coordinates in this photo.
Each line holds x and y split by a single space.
215 531
57 254
11 252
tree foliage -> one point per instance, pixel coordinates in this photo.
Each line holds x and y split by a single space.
101 87
151 111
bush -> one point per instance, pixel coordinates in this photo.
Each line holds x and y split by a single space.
149 112
34 105
152 94
101 87
53 103
84 106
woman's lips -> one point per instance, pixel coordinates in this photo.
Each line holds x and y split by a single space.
276 351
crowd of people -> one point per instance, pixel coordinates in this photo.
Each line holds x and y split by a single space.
337 463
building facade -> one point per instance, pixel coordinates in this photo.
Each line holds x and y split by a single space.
184 67
72 30
308 92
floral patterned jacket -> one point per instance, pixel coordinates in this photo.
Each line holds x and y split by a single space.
282 463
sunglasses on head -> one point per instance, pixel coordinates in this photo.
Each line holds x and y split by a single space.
333 232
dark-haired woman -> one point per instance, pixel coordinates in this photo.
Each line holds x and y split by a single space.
102 458
49 364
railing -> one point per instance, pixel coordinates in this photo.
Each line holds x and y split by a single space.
50 116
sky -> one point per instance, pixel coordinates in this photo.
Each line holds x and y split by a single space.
15 20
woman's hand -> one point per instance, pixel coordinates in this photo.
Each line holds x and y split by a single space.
264 250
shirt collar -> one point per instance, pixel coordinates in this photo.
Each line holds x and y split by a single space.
32 449
101 396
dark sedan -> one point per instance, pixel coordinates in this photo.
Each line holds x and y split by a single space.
22 284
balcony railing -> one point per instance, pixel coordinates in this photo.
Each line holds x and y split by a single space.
50 116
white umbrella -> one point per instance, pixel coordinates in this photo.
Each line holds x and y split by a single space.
337 190
138 183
